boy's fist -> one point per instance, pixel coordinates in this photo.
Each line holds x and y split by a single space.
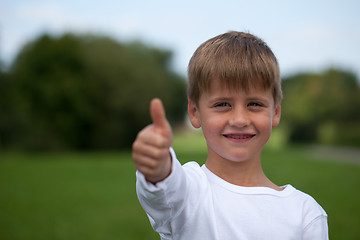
151 147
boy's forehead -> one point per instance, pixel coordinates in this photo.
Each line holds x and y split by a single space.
223 87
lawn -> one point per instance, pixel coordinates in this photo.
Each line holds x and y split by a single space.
92 195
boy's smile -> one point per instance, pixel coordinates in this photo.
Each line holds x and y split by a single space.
239 137
235 124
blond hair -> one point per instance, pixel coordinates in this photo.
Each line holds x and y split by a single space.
239 60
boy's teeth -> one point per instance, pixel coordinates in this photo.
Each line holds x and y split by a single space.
237 136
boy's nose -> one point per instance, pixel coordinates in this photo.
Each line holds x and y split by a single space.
239 118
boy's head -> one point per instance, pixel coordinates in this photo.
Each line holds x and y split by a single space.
239 61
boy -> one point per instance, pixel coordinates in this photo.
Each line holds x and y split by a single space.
234 95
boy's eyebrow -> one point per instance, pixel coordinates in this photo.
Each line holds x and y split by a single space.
258 98
219 99
250 98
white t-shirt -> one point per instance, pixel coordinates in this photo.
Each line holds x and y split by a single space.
195 204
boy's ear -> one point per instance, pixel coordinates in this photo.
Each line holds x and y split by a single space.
193 114
276 116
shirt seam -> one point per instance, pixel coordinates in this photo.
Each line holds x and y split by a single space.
314 221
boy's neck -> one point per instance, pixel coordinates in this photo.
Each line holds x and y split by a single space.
246 174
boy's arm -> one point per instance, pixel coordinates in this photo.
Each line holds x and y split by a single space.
164 202
317 229
151 147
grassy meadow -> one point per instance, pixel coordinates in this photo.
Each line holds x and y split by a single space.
91 195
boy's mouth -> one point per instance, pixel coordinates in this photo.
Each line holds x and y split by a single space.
239 137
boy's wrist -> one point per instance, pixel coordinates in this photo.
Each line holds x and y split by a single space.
165 171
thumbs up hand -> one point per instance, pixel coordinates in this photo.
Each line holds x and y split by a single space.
150 151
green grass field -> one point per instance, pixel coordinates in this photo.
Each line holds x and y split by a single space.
92 195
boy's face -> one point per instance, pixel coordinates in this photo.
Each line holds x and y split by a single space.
236 125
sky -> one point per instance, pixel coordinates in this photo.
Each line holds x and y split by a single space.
305 35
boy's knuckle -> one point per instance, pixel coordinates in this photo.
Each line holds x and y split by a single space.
142 134
153 165
157 153
135 145
136 148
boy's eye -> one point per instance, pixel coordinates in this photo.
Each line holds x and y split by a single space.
222 104
254 104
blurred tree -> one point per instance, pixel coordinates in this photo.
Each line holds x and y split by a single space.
5 108
322 108
86 92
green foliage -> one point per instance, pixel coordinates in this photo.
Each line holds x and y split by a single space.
85 92
322 108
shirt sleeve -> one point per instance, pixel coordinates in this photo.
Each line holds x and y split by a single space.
164 200
317 229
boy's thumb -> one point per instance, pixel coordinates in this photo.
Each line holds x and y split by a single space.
158 116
